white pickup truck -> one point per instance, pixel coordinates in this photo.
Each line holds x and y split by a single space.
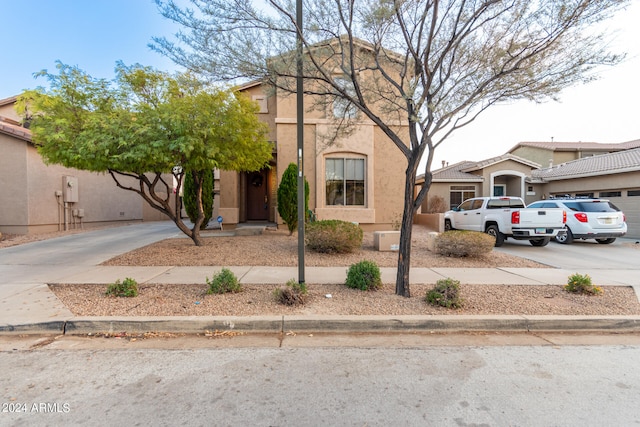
504 217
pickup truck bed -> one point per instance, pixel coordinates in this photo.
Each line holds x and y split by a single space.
504 217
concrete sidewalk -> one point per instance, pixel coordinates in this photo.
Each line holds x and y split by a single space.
28 306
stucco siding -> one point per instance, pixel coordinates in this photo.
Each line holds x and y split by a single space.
229 197
443 189
389 179
538 155
287 137
437 189
13 179
32 206
8 110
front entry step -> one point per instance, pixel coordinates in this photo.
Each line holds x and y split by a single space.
249 230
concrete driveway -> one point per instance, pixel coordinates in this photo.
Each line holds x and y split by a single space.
623 254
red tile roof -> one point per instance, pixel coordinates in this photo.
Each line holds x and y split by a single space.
9 128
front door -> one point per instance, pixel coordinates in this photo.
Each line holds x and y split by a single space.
257 196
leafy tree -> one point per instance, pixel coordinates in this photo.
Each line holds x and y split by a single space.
190 197
432 65
142 126
288 197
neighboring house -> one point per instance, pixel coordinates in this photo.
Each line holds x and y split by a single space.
504 175
614 176
610 171
359 178
553 153
39 198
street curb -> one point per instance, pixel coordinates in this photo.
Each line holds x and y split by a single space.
328 324
190 324
33 328
446 323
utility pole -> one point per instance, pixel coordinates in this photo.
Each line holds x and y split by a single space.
300 132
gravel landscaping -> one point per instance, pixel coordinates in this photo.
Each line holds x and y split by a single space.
277 248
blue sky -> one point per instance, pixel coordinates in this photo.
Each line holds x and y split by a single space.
94 34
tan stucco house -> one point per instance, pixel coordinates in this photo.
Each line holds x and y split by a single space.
37 198
610 171
357 178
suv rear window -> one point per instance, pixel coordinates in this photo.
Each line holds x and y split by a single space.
594 206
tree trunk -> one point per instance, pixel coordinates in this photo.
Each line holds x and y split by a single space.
198 179
404 251
147 191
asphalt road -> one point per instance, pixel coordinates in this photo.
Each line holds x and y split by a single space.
350 380
416 385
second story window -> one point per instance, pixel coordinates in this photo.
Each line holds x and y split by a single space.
342 108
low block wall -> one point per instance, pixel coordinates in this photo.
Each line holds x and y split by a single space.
434 221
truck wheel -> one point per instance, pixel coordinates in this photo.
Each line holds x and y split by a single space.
606 241
565 238
540 242
492 230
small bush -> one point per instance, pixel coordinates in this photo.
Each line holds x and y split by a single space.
462 243
293 293
446 293
333 236
437 205
127 288
364 275
579 284
223 282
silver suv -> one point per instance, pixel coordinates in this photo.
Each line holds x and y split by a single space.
588 219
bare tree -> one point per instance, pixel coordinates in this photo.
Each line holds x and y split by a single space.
434 64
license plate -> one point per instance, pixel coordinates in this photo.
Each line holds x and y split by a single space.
541 230
608 220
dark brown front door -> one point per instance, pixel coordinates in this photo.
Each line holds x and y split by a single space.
257 196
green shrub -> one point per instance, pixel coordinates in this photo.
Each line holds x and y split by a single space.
293 293
189 195
333 236
581 284
288 197
364 275
446 293
224 282
462 243
127 288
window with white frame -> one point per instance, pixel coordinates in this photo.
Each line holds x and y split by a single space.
460 193
345 181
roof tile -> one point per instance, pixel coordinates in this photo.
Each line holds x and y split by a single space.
603 164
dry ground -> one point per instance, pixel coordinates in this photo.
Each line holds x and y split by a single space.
276 248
